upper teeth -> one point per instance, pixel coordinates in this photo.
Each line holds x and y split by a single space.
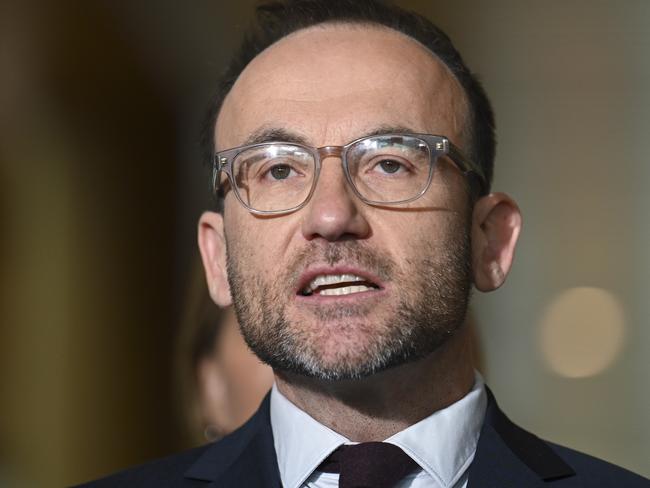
324 280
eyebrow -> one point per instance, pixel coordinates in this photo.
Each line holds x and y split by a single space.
278 134
273 134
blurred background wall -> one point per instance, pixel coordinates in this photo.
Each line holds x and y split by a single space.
101 186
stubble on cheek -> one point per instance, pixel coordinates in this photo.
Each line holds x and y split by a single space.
427 303
303 337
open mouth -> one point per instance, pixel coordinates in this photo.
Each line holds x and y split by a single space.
337 285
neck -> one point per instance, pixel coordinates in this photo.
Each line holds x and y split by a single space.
376 407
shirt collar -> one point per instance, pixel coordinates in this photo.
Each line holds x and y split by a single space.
443 443
301 442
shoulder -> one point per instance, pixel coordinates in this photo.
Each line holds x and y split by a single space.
593 472
245 457
508 455
164 473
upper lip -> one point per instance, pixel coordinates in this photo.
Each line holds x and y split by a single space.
359 275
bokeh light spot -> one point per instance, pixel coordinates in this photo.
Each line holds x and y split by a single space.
582 332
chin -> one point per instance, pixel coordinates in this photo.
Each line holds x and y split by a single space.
351 360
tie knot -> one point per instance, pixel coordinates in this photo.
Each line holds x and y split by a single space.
369 465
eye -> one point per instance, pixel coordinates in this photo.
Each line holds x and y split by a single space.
389 166
280 171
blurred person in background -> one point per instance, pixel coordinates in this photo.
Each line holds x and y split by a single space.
220 382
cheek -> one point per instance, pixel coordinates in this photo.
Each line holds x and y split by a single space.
413 236
402 235
259 246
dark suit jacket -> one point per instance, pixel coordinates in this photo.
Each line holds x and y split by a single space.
506 456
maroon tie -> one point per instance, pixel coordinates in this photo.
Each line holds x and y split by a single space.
368 465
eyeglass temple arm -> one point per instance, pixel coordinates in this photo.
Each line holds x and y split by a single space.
467 166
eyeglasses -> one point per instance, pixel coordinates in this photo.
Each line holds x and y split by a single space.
388 169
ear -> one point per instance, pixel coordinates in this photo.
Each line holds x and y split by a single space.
212 244
496 223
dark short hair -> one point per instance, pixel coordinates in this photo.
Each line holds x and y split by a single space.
277 19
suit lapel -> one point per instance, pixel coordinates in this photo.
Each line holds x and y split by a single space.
508 456
244 458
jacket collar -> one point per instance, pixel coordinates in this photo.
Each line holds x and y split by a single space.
509 456
506 455
244 458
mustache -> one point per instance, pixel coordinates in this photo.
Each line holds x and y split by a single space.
344 252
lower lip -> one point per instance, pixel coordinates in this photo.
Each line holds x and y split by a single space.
351 297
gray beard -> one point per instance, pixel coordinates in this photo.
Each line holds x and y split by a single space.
430 309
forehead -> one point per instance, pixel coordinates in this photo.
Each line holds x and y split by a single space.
334 82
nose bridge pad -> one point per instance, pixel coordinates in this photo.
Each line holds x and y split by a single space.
330 152
326 152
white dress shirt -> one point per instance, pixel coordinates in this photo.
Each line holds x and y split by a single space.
443 444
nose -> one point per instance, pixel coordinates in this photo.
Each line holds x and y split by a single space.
333 212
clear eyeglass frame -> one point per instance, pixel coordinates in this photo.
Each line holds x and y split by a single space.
438 146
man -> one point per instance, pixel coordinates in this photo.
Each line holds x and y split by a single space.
354 154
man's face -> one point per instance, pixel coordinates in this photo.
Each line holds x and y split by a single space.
330 85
